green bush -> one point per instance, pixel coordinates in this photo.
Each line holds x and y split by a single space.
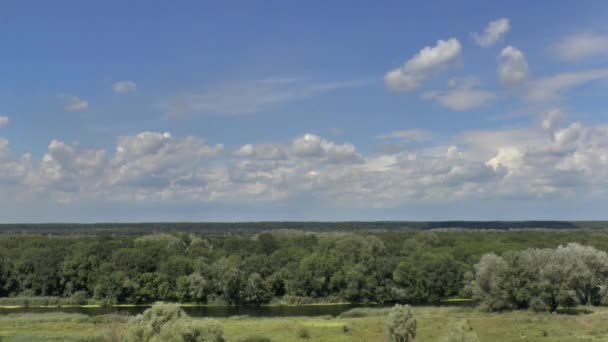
303 333
169 323
363 312
401 324
255 339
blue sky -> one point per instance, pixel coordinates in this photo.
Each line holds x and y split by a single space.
275 110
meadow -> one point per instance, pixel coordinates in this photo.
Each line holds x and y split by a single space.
359 325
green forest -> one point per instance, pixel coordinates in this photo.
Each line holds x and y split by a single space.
287 266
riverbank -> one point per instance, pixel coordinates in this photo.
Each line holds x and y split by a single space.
434 324
276 309
447 302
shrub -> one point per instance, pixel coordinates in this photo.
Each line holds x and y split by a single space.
462 332
303 333
363 312
78 298
401 324
169 323
255 339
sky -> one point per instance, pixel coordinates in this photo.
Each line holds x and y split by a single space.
303 110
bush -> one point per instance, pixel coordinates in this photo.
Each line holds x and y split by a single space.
189 330
462 332
255 339
363 312
78 298
401 324
303 333
169 323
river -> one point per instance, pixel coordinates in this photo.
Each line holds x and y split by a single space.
215 311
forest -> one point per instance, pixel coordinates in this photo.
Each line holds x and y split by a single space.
287 266
222 228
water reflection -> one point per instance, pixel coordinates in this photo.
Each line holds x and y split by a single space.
215 311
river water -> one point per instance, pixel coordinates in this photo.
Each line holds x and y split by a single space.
216 311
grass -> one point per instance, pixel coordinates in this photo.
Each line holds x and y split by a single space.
434 324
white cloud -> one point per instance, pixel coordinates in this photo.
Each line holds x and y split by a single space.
75 104
421 66
261 151
509 157
462 95
154 167
152 158
492 33
512 66
123 87
553 88
581 45
552 118
311 145
3 121
252 96
415 134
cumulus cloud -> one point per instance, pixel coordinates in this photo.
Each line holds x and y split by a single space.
249 96
462 95
581 45
157 167
509 157
3 121
311 145
492 33
123 87
261 151
512 66
424 64
150 157
553 88
75 104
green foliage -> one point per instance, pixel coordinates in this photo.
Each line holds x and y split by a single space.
255 339
303 333
169 323
401 324
363 312
382 265
462 332
541 279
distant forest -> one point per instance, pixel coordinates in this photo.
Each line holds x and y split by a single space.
371 263
256 227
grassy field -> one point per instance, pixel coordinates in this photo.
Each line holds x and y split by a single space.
434 324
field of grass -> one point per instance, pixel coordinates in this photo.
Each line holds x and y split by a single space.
434 324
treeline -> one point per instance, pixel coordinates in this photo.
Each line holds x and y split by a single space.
219 228
282 265
541 279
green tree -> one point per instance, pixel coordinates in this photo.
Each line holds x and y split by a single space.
256 291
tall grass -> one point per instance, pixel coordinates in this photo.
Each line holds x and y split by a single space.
27 301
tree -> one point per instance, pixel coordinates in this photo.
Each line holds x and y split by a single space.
199 287
487 287
401 324
542 279
256 291
267 243
428 278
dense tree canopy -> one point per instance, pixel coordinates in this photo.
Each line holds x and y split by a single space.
298 266
541 279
